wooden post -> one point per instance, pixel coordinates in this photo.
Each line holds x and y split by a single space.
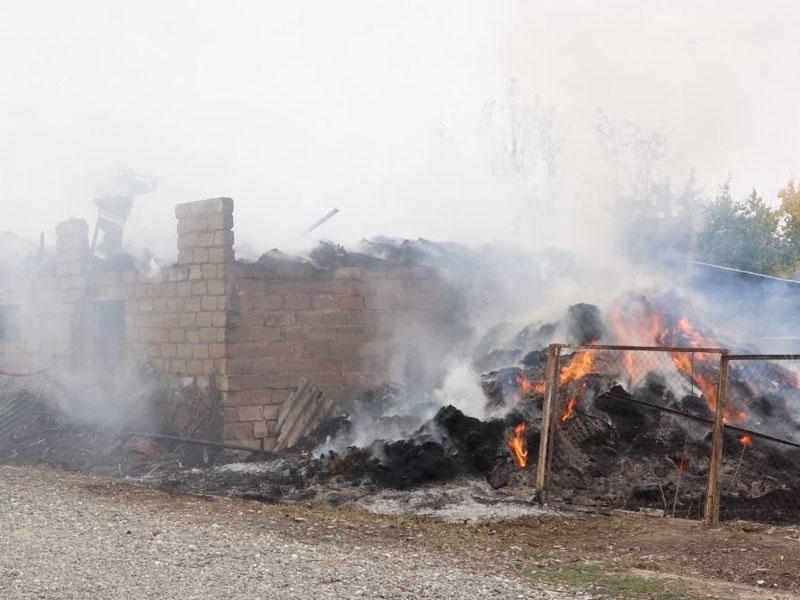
545 433
715 462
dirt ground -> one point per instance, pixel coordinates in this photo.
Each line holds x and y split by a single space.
761 561
579 551
737 560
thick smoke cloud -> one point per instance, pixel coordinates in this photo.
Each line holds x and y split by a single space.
299 108
449 122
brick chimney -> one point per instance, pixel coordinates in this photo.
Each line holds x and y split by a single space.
72 247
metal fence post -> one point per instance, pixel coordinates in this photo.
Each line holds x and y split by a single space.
545 433
715 463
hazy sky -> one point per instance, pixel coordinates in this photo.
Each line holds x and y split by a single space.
293 108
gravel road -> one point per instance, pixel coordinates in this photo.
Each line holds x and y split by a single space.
75 536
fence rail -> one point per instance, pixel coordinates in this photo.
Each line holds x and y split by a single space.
722 401
760 449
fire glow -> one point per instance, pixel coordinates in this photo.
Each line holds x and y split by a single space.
640 324
581 365
519 445
636 322
526 386
570 410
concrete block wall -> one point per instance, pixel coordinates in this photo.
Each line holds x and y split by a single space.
45 313
335 328
175 319
237 337
46 306
178 320
181 319
72 247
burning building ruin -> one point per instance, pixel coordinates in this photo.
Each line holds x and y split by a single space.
236 344
633 405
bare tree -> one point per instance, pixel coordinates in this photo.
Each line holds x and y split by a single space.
526 142
655 223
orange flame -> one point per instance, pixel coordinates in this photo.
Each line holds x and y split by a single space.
526 386
731 415
707 384
581 364
746 440
519 445
693 337
685 334
570 410
634 325
638 323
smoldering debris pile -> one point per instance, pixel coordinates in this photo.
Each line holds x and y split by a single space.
633 430
450 447
451 444
328 256
78 423
32 431
22 412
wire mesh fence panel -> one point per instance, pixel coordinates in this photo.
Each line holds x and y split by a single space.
632 427
760 470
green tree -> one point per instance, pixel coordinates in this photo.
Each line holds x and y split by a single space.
746 235
790 215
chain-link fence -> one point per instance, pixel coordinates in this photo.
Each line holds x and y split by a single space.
629 427
760 466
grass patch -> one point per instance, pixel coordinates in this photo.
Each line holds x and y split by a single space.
612 584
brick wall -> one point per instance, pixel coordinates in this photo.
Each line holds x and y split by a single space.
231 340
46 306
174 319
337 328
181 319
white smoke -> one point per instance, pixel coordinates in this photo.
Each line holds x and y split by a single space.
407 411
462 389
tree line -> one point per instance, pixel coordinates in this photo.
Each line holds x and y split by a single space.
659 224
750 235
655 223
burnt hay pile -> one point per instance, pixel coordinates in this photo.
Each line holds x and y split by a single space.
623 445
